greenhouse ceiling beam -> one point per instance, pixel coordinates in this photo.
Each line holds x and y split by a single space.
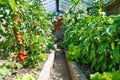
57 5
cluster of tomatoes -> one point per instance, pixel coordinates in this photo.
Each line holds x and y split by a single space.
17 18
21 54
20 40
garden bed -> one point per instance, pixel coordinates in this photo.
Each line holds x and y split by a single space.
12 70
75 70
37 73
86 70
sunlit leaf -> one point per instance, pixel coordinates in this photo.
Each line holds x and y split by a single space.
3 1
12 4
75 1
1 78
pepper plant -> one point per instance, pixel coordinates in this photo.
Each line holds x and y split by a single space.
93 39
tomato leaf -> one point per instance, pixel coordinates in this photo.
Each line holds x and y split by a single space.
12 4
3 1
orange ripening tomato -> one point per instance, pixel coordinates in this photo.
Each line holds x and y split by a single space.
19 21
18 36
15 53
25 56
17 33
19 40
21 58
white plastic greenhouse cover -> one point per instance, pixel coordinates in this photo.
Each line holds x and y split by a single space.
50 5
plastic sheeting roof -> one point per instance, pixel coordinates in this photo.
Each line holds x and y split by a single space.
52 6
49 5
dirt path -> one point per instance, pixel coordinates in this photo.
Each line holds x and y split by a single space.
60 69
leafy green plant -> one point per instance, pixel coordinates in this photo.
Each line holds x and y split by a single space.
4 72
115 75
13 65
96 38
35 59
26 77
33 26
1 78
73 53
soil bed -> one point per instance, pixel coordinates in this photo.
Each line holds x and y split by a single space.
24 70
85 68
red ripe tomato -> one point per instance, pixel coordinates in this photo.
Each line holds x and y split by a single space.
24 54
20 53
21 58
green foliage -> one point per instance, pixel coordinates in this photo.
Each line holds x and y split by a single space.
35 29
96 38
75 1
73 53
3 1
26 77
115 75
35 59
12 4
13 65
1 78
5 72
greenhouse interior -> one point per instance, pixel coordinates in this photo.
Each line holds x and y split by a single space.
59 39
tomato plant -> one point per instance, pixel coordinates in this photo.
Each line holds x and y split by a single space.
25 30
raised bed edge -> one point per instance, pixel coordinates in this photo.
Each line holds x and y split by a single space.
45 72
75 71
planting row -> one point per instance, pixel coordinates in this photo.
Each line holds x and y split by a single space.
25 34
93 40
